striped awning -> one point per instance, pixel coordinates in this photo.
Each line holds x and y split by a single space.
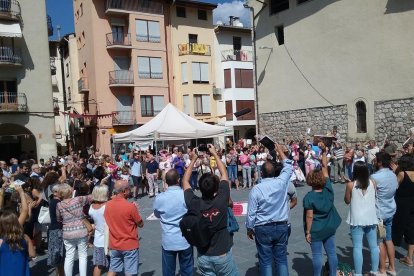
10 29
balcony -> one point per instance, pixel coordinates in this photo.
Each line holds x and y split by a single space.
10 56
121 78
13 102
128 6
83 85
10 10
194 49
49 26
237 55
123 118
118 41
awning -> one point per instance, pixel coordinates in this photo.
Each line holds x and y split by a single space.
11 29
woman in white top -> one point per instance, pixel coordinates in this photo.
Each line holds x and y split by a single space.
309 159
362 217
96 212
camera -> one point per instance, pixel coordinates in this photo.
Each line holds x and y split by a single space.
202 148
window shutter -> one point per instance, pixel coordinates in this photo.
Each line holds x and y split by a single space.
154 31
204 72
196 71
184 72
143 67
186 104
237 76
206 103
141 30
156 68
158 102
229 110
246 76
227 78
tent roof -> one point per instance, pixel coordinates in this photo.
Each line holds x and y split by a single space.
172 124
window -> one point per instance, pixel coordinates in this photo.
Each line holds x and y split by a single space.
192 38
8 95
240 105
302 1
229 110
81 9
227 78
67 69
200 72
184 79
202 104
202 14
361 111
181 12
148 31
151 105
149 68
244 78
280 35
278 6
236 43
69 94
186 104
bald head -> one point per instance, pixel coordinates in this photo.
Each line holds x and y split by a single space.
171 177
268 170
120 186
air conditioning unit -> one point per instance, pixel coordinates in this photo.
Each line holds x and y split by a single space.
216 91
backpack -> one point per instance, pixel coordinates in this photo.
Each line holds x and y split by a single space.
194 228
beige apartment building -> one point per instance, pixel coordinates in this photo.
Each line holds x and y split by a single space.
123 55
325 63
192 36
26 109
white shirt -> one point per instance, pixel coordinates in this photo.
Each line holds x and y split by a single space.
362 210
371 154
98 218
311 156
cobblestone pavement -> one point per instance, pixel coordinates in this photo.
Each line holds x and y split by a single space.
244 250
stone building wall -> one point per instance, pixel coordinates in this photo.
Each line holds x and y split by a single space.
394 118
294 124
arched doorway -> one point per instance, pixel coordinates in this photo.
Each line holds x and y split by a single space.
16 141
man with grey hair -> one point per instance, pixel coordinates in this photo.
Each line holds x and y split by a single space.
123 220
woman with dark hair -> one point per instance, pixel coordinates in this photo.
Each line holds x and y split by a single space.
321 219
403 221
362 216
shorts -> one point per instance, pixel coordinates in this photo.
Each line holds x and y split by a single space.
124 261
99 258
388 226
136 181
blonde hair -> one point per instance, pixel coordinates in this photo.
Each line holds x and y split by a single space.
100 193
65 190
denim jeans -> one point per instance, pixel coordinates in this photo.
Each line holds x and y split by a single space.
193 180
126 261
259 173
185 258
223 265
247 176
329 245
232 172
271 242
70 247
348 170
357 233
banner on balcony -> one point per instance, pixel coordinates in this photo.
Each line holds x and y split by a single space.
89 116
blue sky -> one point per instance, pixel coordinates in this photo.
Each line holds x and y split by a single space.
61 12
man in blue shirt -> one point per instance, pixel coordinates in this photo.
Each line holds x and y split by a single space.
179 164
152 175
170 207
267 216
136 173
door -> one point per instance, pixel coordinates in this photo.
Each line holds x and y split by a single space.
118 35
8 95
125 115
121 67
237 47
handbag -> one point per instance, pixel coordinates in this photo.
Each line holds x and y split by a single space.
232 224
44 215
88 225
381 232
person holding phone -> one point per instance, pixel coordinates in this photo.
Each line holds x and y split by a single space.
246 168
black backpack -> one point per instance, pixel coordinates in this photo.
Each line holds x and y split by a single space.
194 228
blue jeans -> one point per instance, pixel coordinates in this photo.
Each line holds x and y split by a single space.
193 180
357 233
329 245
348 169
259 173
217 265
370 168
185 258
232 172
271 242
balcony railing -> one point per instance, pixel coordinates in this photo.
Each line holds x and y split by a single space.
115 40
149 38
150 75
144 6
123 118
194 49
10 9
236 55
121 77
13 102
83 85
9 55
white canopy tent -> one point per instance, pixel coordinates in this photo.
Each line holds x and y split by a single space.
171 124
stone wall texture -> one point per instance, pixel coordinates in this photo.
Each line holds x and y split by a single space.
294 124
394 118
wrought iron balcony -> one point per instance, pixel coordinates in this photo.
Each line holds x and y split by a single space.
236 55
13 102
10 9
124 118
121 78
194 49
10 55
118 40
127 6
83 85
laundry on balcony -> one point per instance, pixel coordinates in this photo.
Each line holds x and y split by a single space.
183 49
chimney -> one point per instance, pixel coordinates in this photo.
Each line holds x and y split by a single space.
231 20
236 21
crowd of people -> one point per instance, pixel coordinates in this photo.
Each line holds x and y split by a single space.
90 200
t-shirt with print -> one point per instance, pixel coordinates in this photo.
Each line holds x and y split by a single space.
215 212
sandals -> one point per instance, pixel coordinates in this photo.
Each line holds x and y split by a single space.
405 262
391 273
